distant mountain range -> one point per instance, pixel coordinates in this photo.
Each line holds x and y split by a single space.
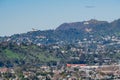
67 32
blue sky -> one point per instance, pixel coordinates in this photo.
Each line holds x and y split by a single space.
19 16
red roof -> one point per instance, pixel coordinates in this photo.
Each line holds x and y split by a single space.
3 70
73 65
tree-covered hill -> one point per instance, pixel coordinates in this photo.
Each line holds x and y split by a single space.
70 42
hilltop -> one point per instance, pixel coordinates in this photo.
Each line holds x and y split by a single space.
88 42
68 32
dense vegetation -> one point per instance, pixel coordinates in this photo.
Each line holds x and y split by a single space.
12 54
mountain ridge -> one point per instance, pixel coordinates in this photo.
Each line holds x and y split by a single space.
81 25
67 32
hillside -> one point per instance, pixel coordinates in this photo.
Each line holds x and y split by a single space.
83 26
68 32
87 42
12 54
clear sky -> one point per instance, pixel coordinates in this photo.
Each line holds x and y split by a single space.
19 16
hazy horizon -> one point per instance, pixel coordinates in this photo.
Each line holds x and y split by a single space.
19 16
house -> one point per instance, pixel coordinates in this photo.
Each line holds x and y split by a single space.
4 70
76 65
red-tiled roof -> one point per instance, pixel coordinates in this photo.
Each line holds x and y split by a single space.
73 65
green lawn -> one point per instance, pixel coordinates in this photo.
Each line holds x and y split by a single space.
12 55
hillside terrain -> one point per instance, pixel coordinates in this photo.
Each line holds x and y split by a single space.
68 32
88 42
